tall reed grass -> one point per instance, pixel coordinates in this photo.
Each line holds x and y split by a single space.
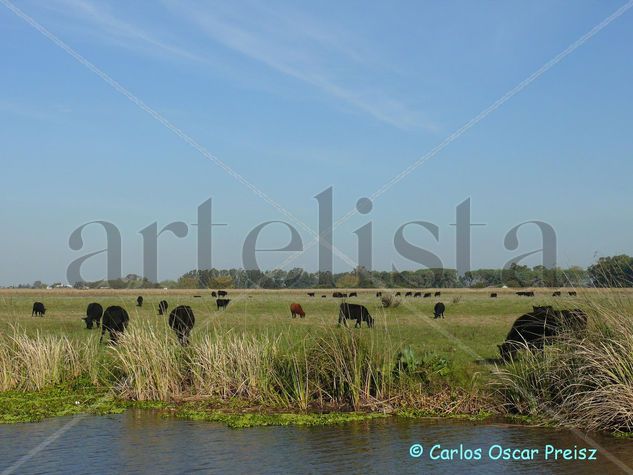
339 369
583 380
31 363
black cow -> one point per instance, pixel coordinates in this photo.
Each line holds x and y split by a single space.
38 309
438 294
222 303
493 295
323 296
408 294
162 307
139 301
427 295
573 293
438 310
310 294
353 294
182 320
93 315
525 294
352 311
378 294
339 295
398 294
214 294
539 327
222 293
417 294
115 321
556 294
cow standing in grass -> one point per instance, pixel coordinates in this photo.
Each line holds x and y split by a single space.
222 303
438 310
115 320
352 311
295 309
38 310
94 312
162 307
182 320
139 301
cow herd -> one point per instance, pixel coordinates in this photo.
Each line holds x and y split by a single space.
532 330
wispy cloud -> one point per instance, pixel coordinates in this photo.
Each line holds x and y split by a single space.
47 113
299 47
329 59
98 20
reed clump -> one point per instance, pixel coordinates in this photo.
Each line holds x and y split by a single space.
583 380
34 362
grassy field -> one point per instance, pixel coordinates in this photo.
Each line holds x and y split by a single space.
474 325
255 353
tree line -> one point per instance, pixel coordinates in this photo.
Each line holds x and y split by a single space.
613 271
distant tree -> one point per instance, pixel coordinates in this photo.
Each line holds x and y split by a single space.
614 271
347 281
222 282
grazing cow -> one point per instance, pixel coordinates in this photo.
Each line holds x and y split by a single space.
339 295
214 294
222 303
417 294
408 294
115 321
310 294
197 296
182 320
38 309
162 307
352 311
323 296
526 294
438 310
573 293
222 293
556 294
93 315
427 295
353 294
295 309
493 295
539 327
139 301
398 294
438 294
378 294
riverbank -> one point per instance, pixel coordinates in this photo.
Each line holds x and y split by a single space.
252 364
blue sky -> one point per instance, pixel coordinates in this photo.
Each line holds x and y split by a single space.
297 97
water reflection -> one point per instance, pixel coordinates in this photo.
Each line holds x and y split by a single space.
141 441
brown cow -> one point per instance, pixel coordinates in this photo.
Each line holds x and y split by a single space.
295 309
